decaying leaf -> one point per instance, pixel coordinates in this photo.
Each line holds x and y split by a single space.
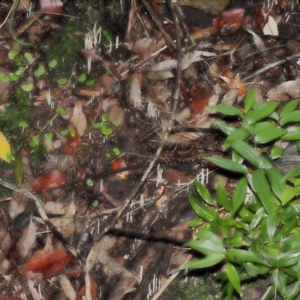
270 27
67 287
285 91
46 263
79 118
27 240
53 179
4 148
135 95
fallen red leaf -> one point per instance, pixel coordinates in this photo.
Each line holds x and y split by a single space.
53 179
48 262
200 95
229 21
120 163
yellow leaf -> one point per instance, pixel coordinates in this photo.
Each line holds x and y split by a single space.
4 148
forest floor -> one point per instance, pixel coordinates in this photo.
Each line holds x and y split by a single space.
104 107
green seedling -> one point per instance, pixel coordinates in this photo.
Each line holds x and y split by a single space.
52 64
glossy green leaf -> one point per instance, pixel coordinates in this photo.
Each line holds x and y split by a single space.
261 112
262 188
201 210
266 132
208 261
290 106
233 277
276 152
239 194
286 229
236 157
227 110
249 100
291 243
227 221
203 192
272 220
257 218
249 153
293 291
227 129
287 195
222 198
195 223
227 164
239 134
275 179
291 117
207 244
285 259
241 256
292 134
295 172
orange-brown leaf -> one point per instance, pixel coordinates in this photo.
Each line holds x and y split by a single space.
53 179
47 262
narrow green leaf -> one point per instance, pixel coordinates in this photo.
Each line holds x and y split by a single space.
291 117
239 194
275 179
233 277
261 112
239 134
249 100
203 192
236 157
208 261
285 260
249 153
291 243
292 134
227 164
287 195
201 210
227 129
295 172
241 256
222 198
290 106
272 219
227 110
267 131
257 218
207 244
262 188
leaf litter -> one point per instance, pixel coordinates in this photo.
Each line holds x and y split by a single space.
110 128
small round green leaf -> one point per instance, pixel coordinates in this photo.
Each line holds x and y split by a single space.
52 63
29 57
12 54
